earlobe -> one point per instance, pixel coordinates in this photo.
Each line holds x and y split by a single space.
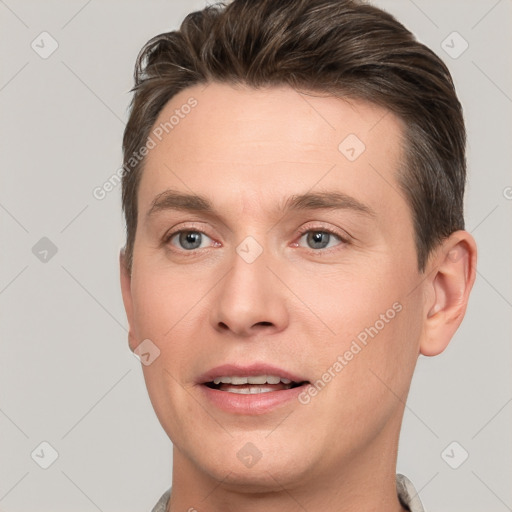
126 282
453 274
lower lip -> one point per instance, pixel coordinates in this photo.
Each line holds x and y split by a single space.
259 403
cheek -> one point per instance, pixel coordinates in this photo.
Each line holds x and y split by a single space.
347 301
171 309
369 316
161 301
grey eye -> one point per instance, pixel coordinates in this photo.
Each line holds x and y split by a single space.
319 239
189 240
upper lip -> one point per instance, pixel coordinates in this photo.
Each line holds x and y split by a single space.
230 370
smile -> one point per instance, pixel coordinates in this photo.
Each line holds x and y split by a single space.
250 390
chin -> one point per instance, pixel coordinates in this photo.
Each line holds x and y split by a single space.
254 466
257 480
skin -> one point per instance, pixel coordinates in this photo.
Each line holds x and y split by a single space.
296 306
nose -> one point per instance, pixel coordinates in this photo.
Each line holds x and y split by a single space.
250 299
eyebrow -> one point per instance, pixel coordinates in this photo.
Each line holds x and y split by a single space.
332 200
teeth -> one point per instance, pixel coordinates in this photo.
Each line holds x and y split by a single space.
253 390
257 379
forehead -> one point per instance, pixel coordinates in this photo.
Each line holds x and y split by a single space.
219 139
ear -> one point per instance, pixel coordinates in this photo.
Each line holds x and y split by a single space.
451 273
126 290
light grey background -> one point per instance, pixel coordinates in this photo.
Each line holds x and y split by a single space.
67 376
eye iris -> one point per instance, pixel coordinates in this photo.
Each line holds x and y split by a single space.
318 239
190 239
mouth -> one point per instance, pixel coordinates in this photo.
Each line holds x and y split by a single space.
248 390
252 385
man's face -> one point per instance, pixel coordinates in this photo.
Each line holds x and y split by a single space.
320 289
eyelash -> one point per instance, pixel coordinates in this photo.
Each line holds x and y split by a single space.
344 239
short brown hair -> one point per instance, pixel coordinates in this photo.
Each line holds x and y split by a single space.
341 47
